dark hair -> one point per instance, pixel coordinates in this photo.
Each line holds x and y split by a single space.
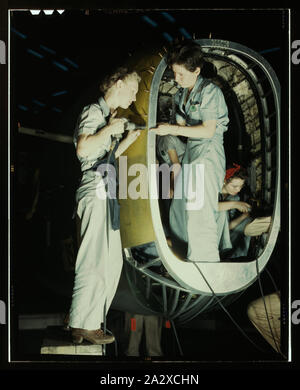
120 73
186 53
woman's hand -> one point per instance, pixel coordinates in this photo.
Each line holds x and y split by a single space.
132 136
243 207
130 139
163 129
116 126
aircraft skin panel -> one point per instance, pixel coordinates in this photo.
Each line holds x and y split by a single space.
141 219
135 214
223 278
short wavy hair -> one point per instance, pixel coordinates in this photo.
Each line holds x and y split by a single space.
121 73
186 53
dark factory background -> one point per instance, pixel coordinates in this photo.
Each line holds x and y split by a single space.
56 63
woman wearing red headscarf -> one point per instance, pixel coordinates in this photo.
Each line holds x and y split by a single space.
235 226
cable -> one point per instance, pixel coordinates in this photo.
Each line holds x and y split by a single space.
176 337
273 282
115 342
263 298
227 312
264 302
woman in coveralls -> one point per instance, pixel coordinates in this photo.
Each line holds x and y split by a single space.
99 260
202 117
235 225
231 224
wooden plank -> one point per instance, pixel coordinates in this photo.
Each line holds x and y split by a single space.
59 342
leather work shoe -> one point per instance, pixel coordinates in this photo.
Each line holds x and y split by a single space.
93 336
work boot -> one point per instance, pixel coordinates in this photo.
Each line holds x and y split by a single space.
93 336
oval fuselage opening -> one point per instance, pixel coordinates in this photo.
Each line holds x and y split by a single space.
157 273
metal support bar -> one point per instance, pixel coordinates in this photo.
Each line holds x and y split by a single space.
195 311
148 286
149 263
183 306
164 294
174 303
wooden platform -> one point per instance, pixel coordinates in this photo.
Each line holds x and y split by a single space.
58 341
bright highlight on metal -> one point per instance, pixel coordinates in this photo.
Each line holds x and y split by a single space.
46 11
35 11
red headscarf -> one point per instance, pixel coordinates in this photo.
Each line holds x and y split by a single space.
231 171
